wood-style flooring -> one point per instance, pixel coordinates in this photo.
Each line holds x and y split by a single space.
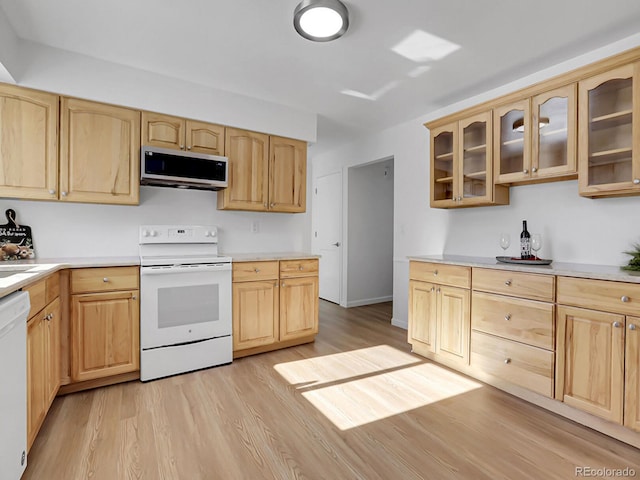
353 405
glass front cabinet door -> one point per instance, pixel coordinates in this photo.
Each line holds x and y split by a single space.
512 142
444 143
609 133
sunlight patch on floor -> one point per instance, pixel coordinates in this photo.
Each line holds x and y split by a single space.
362 386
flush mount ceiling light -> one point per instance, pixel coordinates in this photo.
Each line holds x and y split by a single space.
321 20
518 125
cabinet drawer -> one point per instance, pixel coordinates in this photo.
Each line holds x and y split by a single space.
37 296
517 284
107 279
525 321
298 268
248 271
519 364
453 275
53 287
616 297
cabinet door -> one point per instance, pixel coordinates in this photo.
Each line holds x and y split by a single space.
255 314
590 355
99 153
248 154
554 130
609 133
453 323
205 137
475 177
422 314
164 131
29 139
632 375
512 142
287 175
444 166
36 375
53 315
298 307
105 335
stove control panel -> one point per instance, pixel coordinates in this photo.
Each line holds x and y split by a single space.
178 234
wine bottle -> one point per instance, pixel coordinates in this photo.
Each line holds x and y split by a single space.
525 242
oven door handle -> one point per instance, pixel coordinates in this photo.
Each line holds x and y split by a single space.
175 269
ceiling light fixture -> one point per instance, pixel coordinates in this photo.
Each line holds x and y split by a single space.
321 20
518 125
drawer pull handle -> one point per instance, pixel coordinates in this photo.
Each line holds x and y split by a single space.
625 299
257 270
105 279
632 326
507 317
507 361
617 324
435 274
508 283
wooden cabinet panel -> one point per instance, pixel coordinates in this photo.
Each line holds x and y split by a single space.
617 297
632 375
164 131
36 376
298 307
517 284
287 175
591 361
248 168
453 323
453 275
104 279
99 153
251 271
422 314
525 321
205 137
105 334
517 363
53 314
37 296
29 138
255 314
299 268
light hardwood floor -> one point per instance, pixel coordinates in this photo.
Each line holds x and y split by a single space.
353 405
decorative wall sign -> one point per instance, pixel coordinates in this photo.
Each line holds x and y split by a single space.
16 242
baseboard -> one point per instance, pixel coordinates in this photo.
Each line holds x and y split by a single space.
369 301
404 324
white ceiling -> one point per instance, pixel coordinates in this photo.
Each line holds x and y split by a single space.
250 47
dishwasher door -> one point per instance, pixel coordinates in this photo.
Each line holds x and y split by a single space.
14 310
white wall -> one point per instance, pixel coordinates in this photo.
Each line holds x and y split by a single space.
370 234
575 229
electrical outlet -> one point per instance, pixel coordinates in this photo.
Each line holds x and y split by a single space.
255 226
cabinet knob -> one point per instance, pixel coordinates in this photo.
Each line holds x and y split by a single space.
617 324
300 267
435 274
433 289
632 326
105 279
507 317
266 205
534 169
508 283
525 171
438 290
283 284
64 194
273 204
52 192
181 147
51 315
189 147
459 199
134 297
636 181
507 361
625 299
257 270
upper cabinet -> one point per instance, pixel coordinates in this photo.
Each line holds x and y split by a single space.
99 153
462 165
609 110
28 143
182 134
535 138
265 173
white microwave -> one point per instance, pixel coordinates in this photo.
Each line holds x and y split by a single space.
175 168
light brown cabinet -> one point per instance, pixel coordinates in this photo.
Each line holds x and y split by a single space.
275 304
43 352
29 153
99 153
462 165
105 322
609 123
439 311
177 133
265 173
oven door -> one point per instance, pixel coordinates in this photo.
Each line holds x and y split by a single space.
184 303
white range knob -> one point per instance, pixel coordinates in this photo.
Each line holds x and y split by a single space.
154 233
145 233
212 233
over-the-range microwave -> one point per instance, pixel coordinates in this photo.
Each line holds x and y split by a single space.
175 168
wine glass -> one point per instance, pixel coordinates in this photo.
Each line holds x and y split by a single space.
536 244
505 241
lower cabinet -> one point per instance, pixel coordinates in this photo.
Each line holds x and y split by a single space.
275 304
105 322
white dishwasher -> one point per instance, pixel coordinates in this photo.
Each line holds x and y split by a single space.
14 310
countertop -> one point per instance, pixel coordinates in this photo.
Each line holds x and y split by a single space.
259 257
579 270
